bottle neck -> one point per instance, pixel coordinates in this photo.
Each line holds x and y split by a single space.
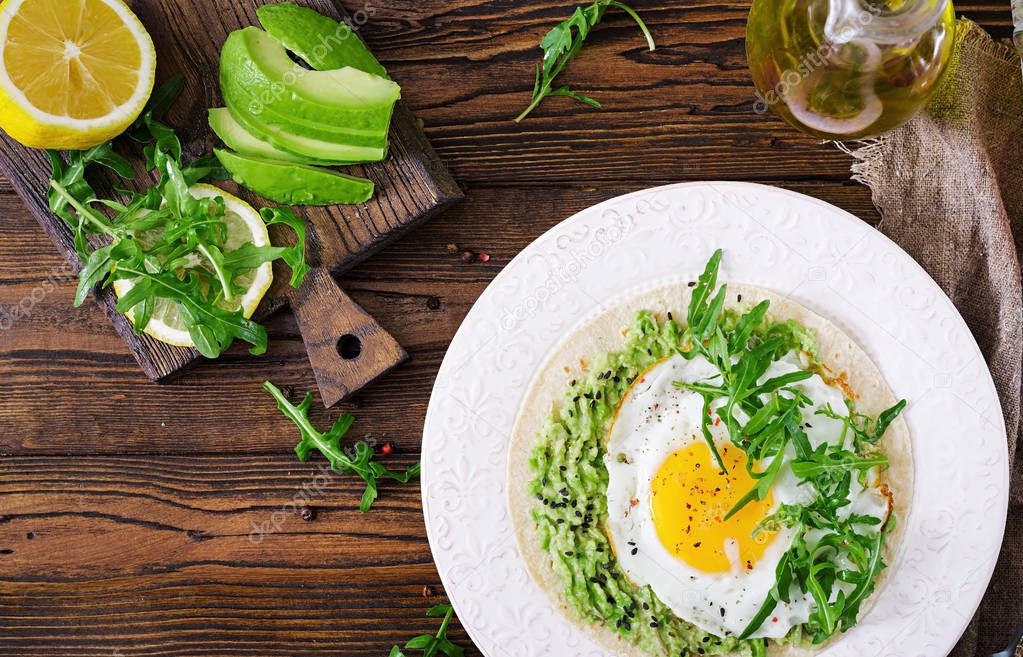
855 20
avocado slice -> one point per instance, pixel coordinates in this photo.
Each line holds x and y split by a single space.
306 147
238 99
322 42
260 63
294 184
239 139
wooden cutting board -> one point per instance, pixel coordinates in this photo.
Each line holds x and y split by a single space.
347 348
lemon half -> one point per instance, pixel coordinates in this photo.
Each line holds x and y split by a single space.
243 225
73 73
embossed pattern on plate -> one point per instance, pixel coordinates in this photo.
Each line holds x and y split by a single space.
801 247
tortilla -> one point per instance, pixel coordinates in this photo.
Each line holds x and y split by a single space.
847 362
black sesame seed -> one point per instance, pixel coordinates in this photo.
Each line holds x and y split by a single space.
539 496
635 551
646 607
722 612
738 297
692 283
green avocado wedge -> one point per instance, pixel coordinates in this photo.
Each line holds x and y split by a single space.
239 139
260 63
306 147
322 42
294 184
372 127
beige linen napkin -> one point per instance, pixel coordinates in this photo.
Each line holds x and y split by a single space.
949 187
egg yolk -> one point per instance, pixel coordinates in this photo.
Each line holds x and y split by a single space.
690 496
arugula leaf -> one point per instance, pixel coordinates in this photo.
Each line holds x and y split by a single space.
431 644
171 244
864 429
826 461
358 461
835 555
294 256
563 42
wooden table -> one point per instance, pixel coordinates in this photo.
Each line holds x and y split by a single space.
126 508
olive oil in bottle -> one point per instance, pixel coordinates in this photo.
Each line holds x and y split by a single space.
847 69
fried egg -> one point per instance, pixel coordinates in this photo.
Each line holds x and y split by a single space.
667 499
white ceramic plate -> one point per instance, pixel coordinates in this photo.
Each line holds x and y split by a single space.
814 252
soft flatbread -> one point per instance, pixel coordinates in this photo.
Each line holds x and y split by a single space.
848 363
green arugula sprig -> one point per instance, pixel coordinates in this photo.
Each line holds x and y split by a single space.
359 460
168 242
431 644
824 537
707 334
563 42
864 429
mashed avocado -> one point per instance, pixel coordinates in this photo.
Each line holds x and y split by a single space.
570 486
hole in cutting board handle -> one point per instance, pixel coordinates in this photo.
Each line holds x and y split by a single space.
349 346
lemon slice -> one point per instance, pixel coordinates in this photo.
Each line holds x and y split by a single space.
73 73
243 225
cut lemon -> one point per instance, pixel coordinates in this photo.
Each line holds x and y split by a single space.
73 73
243 225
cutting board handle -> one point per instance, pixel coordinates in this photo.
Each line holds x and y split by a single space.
347 348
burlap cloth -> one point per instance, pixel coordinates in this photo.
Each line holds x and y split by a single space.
949 187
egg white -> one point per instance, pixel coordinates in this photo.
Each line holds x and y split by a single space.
654 420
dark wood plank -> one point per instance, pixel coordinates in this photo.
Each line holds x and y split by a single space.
207 555
64 365
412 184
683 112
